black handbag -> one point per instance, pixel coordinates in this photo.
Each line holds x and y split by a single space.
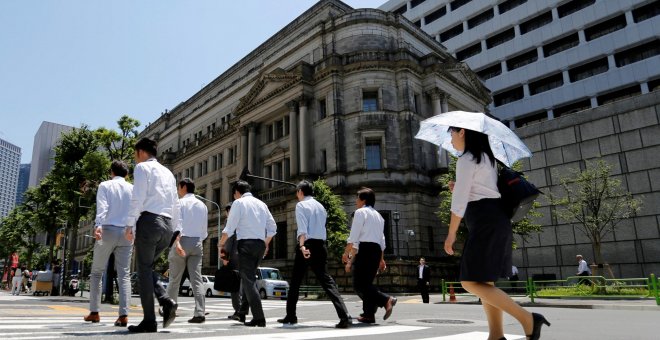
518 194
227 280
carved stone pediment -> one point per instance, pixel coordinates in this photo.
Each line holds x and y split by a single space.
268 86
460 73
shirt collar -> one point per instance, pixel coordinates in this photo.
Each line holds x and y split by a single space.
152 159
188 195
307 198
118 178
247 194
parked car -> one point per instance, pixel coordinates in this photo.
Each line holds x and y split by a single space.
207 282
135 287
270 283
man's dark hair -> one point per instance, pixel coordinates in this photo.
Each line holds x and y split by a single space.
119 168
477 144
241 186
146 145
306 187
228 207
368 195
189 184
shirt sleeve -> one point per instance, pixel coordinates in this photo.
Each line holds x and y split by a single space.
181 216
301 221
382 243
465 169
234 218
356 228
101 205
271 226
176 208
140 179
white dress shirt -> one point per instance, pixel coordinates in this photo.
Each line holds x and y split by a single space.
194 217
113 200
154 191
421 272
250 219
473 182
583 267
367 226
311 217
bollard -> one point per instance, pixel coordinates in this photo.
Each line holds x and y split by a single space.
443 287
654 284
530 288
452 296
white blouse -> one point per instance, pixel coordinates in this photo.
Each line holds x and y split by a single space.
473 182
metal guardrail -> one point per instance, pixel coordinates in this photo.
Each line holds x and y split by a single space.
588 287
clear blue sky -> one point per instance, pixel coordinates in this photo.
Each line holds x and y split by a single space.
91 61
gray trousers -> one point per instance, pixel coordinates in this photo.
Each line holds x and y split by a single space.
112 241
153 235
193 261
250 253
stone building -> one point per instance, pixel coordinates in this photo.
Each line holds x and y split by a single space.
338 93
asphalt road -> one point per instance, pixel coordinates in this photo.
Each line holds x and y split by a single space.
28 317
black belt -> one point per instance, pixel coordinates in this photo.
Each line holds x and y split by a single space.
147 213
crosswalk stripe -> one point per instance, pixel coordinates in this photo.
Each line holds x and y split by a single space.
473 336
319 334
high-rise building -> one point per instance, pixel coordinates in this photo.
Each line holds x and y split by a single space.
23 181
10 159
43 150
545 59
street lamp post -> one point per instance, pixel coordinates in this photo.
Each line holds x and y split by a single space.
63 273
396 217
219 216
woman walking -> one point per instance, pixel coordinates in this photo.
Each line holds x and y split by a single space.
487 252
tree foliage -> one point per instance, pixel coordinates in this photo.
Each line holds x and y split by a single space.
337 221
119 145
522 228
594 202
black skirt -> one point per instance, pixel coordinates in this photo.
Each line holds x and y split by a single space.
487 252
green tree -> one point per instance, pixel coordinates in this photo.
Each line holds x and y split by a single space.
522 228
594 202
46 206
337 221
119 145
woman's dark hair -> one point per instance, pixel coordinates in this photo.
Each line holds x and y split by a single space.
477 144
306 188
189 184
241 186
368 195
146 145
119 168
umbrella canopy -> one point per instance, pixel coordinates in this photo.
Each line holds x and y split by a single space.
506 146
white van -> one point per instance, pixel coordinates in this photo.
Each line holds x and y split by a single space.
270 283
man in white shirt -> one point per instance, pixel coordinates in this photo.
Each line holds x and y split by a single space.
152 218
254 226
113 198
310 218
188 247
583 268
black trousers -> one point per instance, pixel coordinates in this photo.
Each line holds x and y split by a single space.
423 289
250 253
364 271
318 261
153 234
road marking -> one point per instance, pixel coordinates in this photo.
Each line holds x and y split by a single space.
473 336
339 333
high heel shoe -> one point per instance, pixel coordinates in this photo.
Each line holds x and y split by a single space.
539 320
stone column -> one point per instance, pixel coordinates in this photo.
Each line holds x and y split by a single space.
445 102
252 146
244 148
436 100
304 136
293 139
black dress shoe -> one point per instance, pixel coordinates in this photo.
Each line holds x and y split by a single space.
237 317
539 321
143 327
257 323
366 319
169 312
289 319
344 323
197 319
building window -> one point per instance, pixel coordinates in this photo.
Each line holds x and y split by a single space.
220 157
418 23
231 156
646 12
415 3
187 172
322 109
637 53
324 161
500 38
279 129
562 44
216 196
268 172
509 96
605 27
481 18
522 60
287 168
530 119
588 70
509 5
619 94
401 9
270 128
573 6
369 101
457 4
214 163
654 84
469 52
536 22
373 154
435 15
583 104
490 71
546 84
452 32
205 167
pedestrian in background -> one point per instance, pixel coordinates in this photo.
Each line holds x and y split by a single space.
238 302
310 218
113 199
254 227
423 279
364 256
17 281
153 216
188 250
